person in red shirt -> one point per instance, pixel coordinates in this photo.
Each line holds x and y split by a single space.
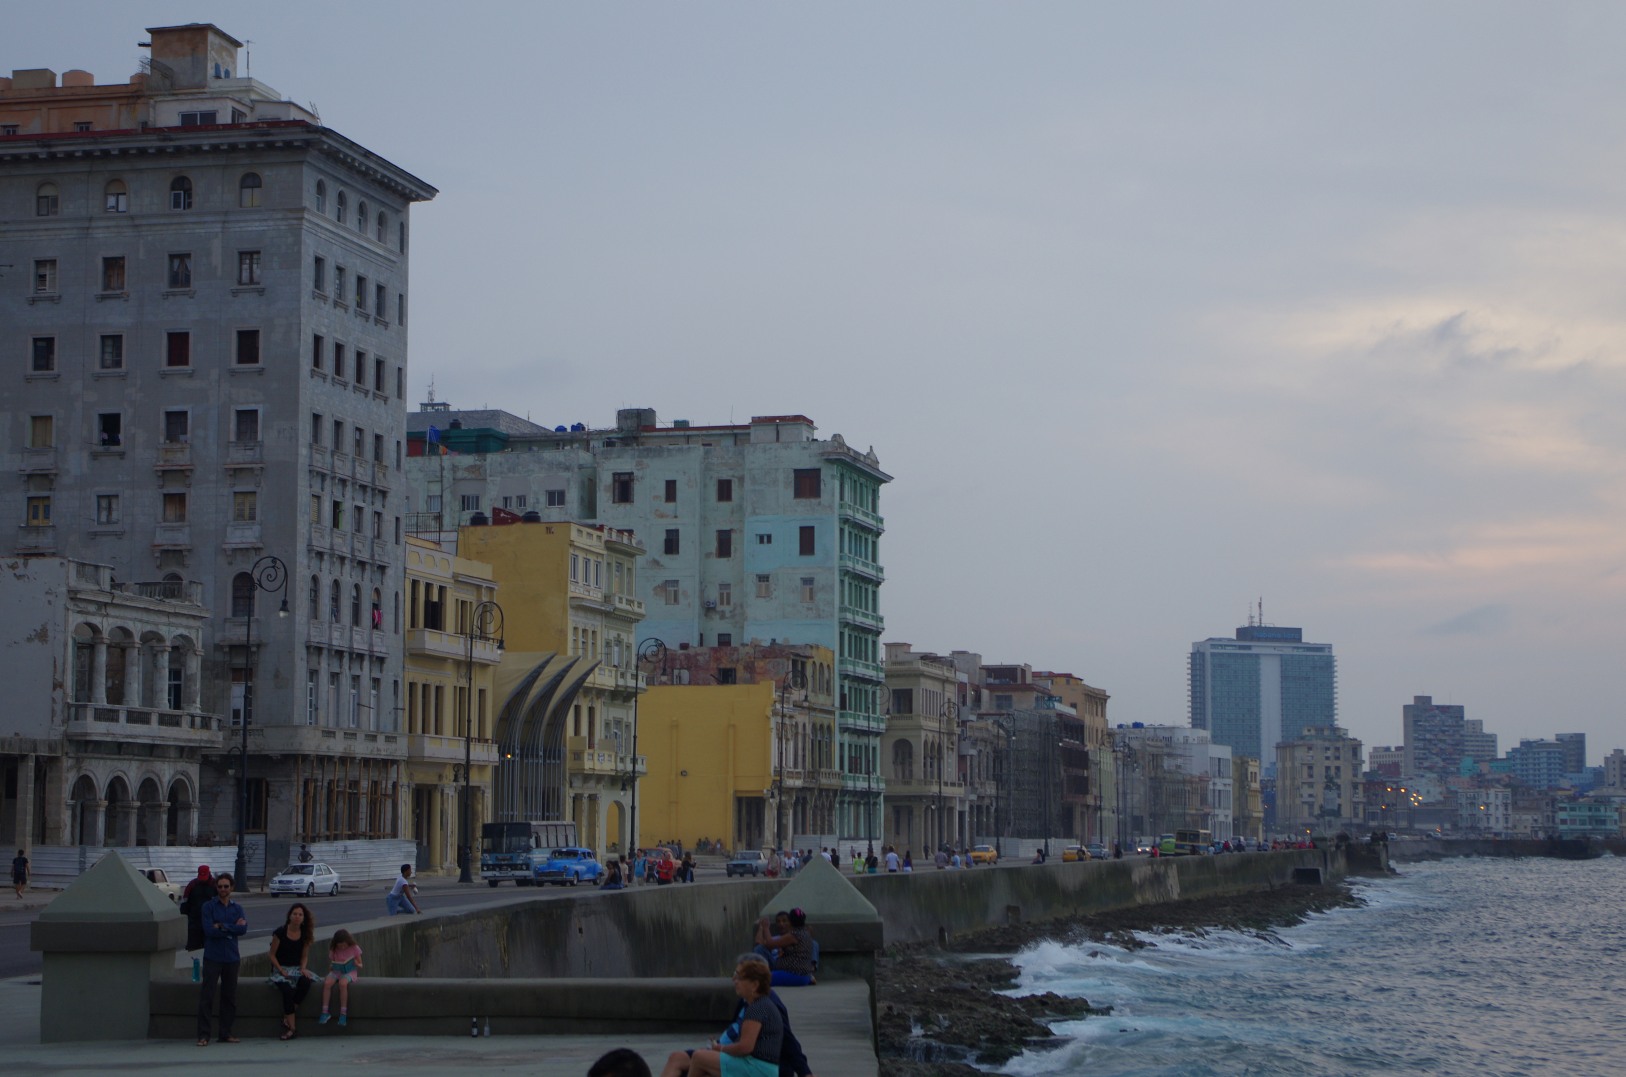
663 870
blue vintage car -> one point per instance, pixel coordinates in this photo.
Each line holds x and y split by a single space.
569 866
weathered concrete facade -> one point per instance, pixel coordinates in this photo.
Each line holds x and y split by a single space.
208 351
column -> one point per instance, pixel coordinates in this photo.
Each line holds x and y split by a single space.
23 831
595 821
98 821
160 683
132 674
192 692
98 670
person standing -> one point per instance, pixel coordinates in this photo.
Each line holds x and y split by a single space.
198 893
403 895
19 873
223 924
892 861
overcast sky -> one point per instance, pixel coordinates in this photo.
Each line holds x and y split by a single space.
1151 310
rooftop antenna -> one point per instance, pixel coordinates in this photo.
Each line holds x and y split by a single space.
248 57
1261 609
431 388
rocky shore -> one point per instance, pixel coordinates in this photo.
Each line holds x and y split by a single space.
941 1013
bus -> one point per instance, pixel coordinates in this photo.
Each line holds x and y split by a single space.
1193 842
511 850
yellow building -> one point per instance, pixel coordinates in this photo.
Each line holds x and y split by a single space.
570 680
442 653
712 763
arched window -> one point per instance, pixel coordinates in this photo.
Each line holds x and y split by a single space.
355 605
378 610
361 216
118 197
180 193
339 205
242 595
321 197
46 202
248 190
381 226
333 611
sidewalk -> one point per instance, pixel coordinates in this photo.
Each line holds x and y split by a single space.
832 1020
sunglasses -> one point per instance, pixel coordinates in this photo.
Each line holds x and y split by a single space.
224 886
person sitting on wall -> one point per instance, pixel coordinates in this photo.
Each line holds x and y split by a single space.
612 876
789 953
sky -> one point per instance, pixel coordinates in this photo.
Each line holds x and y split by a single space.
1154 312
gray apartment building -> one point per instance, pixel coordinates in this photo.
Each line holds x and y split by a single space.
1266 684
204 295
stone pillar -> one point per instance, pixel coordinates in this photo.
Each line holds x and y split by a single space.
161 822
192 690
124 825
98 670
160 684
595 821
104 941
23 831
98 821
132 674
848 929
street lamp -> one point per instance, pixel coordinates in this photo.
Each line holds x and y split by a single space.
795 678
949 712
1003 792
650 650
485 624
267 574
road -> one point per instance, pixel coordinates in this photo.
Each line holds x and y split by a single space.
266 913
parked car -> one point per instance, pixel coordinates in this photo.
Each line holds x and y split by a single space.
1074 853
307 879
984 854
569 866
170 890
1098 850
746 862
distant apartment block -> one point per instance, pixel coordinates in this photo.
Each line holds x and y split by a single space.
1318 781
1434 737
1248 690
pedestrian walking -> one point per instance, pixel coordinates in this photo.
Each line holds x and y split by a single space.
19 873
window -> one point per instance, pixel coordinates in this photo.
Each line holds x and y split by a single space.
361 216
175 508
806 482
45 276
378 375
400 308
808 584
338 284
725 489
46 202
318 345
39 511
81 126
248 347
382 227
113 274
316 428
248 267
469 502
361 293
378 448
361 369
670 587
338 359
379 297
180 193
339 206
671 541
248 190
201 118
338 525
178 349
338 435
245 425
621 487
112 351
764 538
319 281
764 586
725 595
8 129
725 543
180 270
400 382
110 429
556 498
177 423
245 507
41 431
359 444
316 518
671 491
806 536
321 197
107 509
44 355
116 197
727 674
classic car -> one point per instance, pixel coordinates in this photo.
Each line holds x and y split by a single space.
568 866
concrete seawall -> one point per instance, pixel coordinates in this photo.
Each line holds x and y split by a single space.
1565 849
677 931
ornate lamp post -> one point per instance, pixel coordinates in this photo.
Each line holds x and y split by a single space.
649 650
796 679
485 624
267 574
949 712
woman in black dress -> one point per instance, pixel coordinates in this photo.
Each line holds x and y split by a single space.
290 951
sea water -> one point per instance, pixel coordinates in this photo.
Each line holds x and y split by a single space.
1474 967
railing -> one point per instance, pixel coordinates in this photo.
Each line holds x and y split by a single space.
36 538
165 590
857 667
172 534
862 515
174 454
863 566
435 643
244 452
142 724
435 747
630 605
863 618
602 759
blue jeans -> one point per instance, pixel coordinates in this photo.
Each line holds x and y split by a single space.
397 903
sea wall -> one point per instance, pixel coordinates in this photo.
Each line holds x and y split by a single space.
681 931
1563 849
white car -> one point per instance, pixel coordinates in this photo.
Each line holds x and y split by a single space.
307 879
157 877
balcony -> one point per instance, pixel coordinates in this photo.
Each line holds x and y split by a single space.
143 725
245 453
615 680
433 748
857 722
633 607
863 618
863 567
857 667
32 539
172 536
174 456
602 760
164 590
863 516
433 643
326 740
38 462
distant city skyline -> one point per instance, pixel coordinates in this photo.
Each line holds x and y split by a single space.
1148 313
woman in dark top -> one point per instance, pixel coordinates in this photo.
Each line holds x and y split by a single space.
790 951
762 1030
290 951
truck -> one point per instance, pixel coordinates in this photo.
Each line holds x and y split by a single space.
513 850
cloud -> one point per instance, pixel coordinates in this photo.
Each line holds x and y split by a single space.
1482 621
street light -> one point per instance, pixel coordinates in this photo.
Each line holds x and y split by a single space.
1003 792
267 574
950 712
650 650
795 678
485 623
